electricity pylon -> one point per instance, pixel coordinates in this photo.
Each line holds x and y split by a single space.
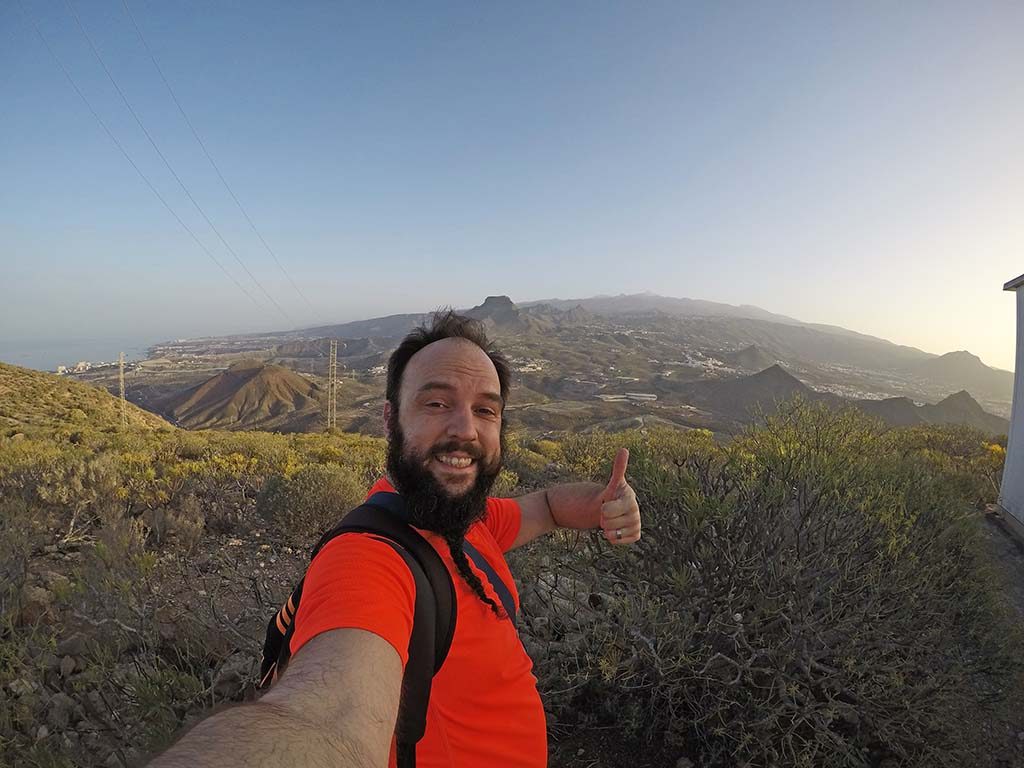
332 386
120 377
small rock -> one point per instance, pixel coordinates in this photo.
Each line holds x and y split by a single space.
72 645
264 547
61 710
684 762
67 666
96 707
167 631
35 603
233 675
21 686
42 732
579 751
234 542
55 581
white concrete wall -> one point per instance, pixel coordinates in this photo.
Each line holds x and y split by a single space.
1011 495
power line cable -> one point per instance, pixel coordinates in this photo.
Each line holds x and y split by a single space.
209 157
167 163
131 162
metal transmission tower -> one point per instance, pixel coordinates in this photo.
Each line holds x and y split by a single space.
332 386
120 378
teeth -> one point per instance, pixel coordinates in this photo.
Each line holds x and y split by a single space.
453 461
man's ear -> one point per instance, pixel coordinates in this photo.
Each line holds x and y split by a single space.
389 414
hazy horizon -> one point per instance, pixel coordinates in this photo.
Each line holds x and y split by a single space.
48 353
853 166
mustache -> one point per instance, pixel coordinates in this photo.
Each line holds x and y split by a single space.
455 446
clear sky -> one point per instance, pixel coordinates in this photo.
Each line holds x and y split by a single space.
860 164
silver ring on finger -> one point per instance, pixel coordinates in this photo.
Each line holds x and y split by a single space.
618 534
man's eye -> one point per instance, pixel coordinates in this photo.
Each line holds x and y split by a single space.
435 404
487 411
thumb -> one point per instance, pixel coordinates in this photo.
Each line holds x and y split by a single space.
618 474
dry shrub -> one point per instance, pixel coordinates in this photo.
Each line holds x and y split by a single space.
301 507
802 597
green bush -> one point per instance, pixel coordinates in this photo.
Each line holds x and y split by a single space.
302 507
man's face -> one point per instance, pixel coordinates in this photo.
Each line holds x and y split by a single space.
449 416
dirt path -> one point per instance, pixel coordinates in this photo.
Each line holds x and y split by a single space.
1007 553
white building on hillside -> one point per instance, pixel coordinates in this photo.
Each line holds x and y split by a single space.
1011 495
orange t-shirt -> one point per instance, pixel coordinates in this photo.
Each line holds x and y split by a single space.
484 707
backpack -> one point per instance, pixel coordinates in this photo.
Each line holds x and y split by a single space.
433 627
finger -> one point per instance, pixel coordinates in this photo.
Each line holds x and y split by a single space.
627 519
623 535
618 474
627 505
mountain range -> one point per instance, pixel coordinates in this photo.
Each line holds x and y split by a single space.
580 363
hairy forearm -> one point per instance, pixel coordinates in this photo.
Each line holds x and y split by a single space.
575 505
264 734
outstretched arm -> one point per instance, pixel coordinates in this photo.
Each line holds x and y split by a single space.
335 705
583 506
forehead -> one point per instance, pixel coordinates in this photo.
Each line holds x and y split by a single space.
455 362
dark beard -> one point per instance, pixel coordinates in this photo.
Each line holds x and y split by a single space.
429 505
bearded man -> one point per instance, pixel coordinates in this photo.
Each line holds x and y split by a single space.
337 703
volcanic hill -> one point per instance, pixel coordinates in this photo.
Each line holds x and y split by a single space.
249 395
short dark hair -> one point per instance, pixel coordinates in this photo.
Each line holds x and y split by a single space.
444 324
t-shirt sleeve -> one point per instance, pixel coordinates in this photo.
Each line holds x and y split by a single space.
357 582
504 518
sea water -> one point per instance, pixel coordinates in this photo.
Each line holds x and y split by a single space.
47 354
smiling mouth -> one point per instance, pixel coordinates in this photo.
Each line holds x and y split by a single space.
454 462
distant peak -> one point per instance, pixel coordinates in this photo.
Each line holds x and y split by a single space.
497 302
776 372
963 354
963 397
499 309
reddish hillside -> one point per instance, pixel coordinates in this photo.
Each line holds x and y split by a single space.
249 395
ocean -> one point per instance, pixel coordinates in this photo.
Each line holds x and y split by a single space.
47 354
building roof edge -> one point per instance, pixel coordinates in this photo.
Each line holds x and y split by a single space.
1013 285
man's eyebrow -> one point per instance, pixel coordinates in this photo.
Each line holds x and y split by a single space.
431 385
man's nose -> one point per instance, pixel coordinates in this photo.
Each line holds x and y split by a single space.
461 424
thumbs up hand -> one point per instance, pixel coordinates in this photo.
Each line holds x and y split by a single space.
620 512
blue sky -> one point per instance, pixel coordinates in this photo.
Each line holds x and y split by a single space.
856 164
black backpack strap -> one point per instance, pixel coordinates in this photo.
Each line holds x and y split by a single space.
502 590
392 502
419 670
368 519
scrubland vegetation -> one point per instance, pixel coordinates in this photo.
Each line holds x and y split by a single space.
812 593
